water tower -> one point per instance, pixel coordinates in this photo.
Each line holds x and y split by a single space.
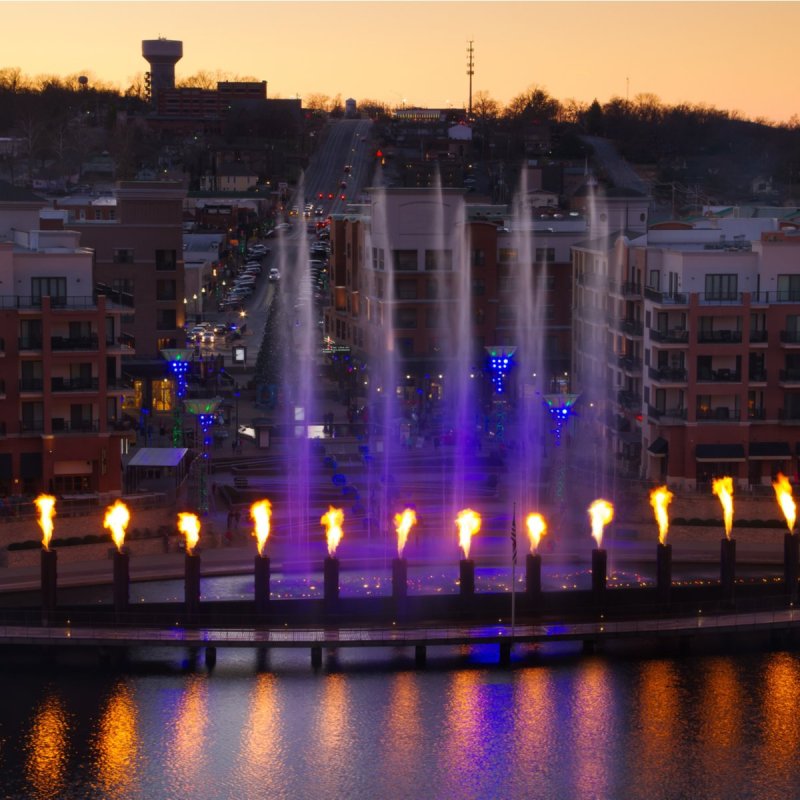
162 55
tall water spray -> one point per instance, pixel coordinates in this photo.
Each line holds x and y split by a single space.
301 355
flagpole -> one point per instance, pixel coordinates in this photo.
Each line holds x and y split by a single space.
514 571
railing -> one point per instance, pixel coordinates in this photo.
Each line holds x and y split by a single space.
758 376
629 400
29 301
719 376
671 336
632 327
626 288
790 337
74 343
758 337
756 413
718 414
666 298
791 375
719 298
789 414
30 343
77 385
666 414
629 364
719 337
87 426
31 384
31 425
669 374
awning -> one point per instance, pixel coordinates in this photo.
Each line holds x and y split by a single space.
769 451
72 468
659 448
719 452
158 457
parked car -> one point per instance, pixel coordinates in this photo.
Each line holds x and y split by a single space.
274 274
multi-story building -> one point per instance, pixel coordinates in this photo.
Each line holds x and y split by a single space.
61 386
402 260
694 348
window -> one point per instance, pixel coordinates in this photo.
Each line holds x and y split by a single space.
166 319
654 280
405 347
432 289
54 288
432 318
30 334
166 260
123 255
721 287
478 258
405 318
478 287
32 416
406 290
550 283
507 255
377 259
405 260
165 290
789 288
546 254
438 260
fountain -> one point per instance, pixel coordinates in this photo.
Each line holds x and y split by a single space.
332 520
537 528
189 526
660 499
601 512
791 542
261 514
469 523
403 523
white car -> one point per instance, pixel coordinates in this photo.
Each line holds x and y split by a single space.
274 275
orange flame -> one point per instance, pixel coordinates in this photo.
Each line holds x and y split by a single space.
332 520
469 523
659 499
260 513
723 488
783 492
537 528
402 524
117 518
46 504
601 513
189 526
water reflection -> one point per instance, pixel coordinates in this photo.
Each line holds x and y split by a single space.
47 749
593 722
403 736
188 749
781 726
333 753
262 761
116 746
536 723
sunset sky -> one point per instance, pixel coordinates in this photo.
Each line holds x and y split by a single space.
733 55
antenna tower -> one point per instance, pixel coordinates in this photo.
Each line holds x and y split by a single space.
470 73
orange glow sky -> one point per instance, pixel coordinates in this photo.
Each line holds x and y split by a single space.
733 55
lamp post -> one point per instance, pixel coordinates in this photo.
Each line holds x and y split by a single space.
204 411
196 314
178 359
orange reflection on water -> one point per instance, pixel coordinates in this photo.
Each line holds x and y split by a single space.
781 699
403 726
116 746
536 720
335 734
262 760
185 756
660 717
593 696
46 746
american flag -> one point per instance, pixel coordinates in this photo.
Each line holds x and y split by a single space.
514 536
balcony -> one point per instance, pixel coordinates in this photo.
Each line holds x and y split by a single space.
757 376
790 337
756 414
63 343
789 415
719 337
671 336
668 374
667 415
790 375
627 289
592 280
629 364
30 343
720 298
65 426
666 298
723 375
717 414
629 400
78 303
631 327
31 384
74 385
31 425
758 337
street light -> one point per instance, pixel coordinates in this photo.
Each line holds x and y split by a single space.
204 410
178 359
